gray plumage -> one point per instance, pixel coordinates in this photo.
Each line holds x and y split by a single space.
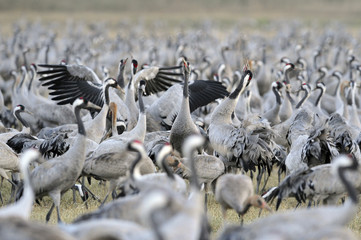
56 176
183 125
235 191
294 224
13 228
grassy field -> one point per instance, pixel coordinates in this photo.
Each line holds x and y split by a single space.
70 210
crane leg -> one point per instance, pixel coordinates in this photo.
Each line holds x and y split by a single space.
74 199
1 199
105 199
241 217
49 213
205 202
13 190
58 213
265 182
259 177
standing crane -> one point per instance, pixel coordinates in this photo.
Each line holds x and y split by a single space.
56 176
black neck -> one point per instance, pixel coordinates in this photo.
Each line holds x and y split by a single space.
290 97
25 59
278 97
106 94
23 78
185 87
350 70
31 80
338 85
81 128
130 83
302 100
319 97
286 76
236 91
140 101
166 169
134 165
120 78
21 119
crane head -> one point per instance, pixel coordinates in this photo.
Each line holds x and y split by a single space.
122 63
260 202
134 66
248 75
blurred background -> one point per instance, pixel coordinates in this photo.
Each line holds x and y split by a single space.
223 12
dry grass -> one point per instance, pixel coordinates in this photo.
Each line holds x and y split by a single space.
70 210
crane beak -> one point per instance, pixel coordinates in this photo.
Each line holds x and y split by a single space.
93 106
120 89
265 206
28 112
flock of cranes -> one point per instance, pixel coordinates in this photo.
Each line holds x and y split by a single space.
199 116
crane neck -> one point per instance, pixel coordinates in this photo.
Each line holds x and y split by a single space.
140 101
23 77
166 168
21 119
264 54
113 110
277 95
318 100
315 65
350 189
27 200
121 77
25 58
307 94
239 90
246 207
322 75
337 90
33 75
106 94
350 70
185 87
353 99
337 56
81 128
135 167
223 53
290 98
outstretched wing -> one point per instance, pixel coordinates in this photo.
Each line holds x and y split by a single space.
203 92
158 78
69 82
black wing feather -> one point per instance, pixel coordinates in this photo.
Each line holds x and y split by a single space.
202 92
66 87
